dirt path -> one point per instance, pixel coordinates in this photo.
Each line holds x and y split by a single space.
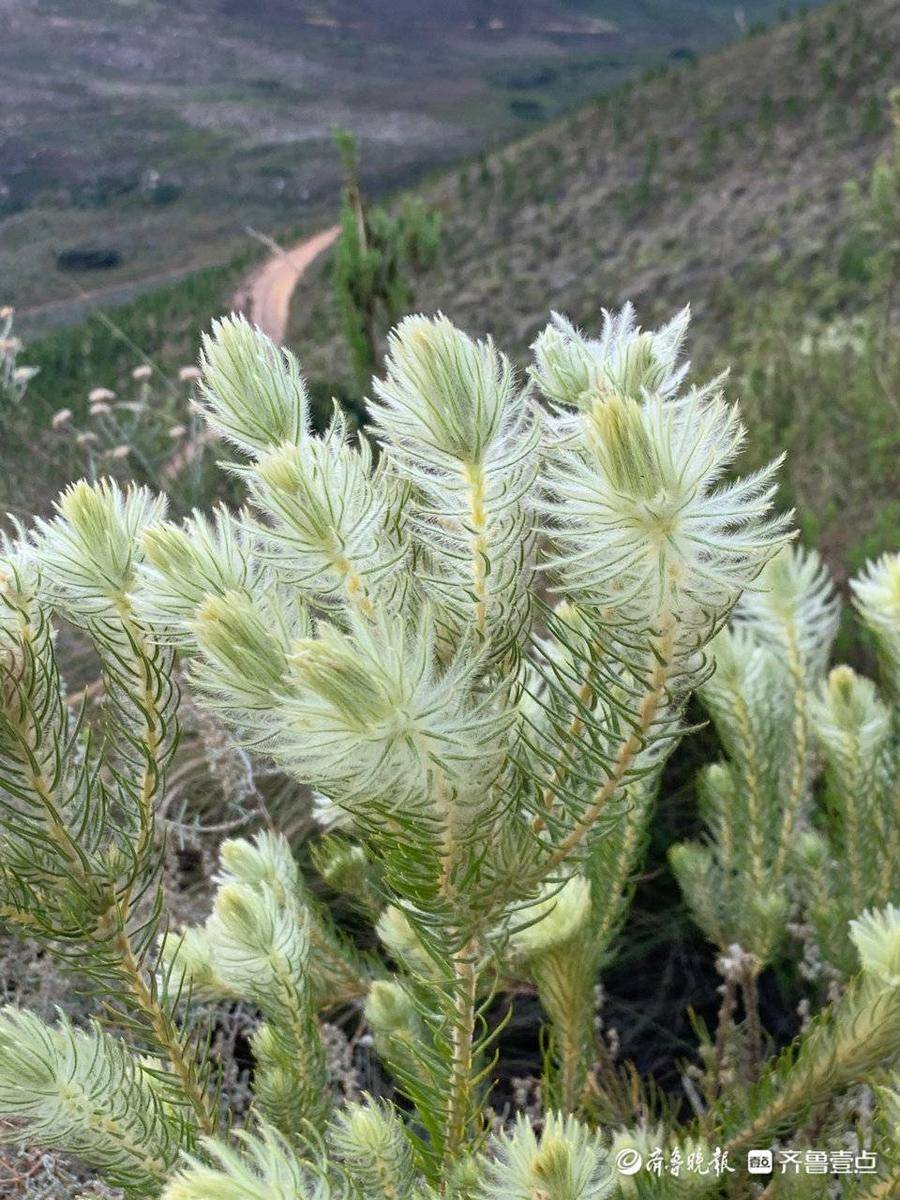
265 295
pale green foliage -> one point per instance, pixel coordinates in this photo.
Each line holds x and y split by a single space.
842 1046
83 1091
376 623
647 534
88 551
888 1099
756 803
855 862
571 369
876 936
266 1168
370 1141
255 947
254 394
383 649
189 562
554 919
474 463
565 1163
877 595
80 863
560 950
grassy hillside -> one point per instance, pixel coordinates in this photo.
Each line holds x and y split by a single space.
722 185
150 133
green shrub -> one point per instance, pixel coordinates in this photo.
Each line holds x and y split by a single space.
478 649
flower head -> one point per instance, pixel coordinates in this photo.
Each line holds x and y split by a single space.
568 1162
571 369
642 525
253 391
876 935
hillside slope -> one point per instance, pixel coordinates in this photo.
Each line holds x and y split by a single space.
722 185
686 188
155 131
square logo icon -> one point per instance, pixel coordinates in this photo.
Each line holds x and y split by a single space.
759 1162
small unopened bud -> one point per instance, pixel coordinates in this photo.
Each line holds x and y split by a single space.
400 938
60 418
390 1009
811 849
556 918
370 1140
189 954
234 633
267 859
876 935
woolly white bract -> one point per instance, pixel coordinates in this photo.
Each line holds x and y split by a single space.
565 1163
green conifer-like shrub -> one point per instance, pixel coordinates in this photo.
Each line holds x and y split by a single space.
474 637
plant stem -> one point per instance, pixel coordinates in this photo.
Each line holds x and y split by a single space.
572 1020
572 735
833 1054
800 735
748 769
724 1027
632 745
478 517
181 1058
750 993
462 1040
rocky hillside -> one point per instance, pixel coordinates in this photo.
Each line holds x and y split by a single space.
140 139
706 183
722 184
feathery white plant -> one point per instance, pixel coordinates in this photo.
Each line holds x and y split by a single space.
853 862
264 1168
757 802
565 1163
84 1091
370 1143
375 621
461 433
877 596
772 850
417 715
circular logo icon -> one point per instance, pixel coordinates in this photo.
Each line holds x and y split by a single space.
629 1161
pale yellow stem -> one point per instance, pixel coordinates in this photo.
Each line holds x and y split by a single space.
627 751
800 751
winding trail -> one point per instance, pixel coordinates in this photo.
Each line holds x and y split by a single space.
265 295
265 298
